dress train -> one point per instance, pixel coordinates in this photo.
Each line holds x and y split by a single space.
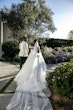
31 82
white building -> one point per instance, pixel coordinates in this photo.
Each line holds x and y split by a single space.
5 34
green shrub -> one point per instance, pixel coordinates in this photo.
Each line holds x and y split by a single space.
62 80
60 103
10 50
69 50
71 60
16 58
68 105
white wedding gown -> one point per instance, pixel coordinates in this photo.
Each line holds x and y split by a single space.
31 82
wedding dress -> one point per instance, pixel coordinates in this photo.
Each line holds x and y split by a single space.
31 82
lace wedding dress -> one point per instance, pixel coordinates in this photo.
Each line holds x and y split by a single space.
31 82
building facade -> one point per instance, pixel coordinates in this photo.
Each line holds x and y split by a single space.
5 35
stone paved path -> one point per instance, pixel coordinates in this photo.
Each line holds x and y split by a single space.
7 71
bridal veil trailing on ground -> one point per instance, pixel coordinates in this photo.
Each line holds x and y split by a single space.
31 84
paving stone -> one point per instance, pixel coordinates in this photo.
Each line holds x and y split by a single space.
8 69
11 87
51 66
3 83
4 100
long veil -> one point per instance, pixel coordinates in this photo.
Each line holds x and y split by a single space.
31 82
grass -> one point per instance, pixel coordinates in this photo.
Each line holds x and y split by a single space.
6 85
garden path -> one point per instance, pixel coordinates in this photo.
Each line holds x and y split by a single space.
7 86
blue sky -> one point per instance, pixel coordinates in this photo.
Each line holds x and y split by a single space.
63 15
8 3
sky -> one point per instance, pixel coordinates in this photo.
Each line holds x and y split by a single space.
63 15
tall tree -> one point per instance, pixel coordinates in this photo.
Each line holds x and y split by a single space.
70 35
29 17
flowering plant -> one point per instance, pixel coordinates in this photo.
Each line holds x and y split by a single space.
56 55
62 80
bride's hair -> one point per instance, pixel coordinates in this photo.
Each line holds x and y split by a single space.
35 41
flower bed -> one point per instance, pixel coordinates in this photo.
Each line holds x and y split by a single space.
61 81
59 102
57 55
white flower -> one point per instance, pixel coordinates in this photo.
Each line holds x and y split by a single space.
70 70
58 77
53 79
65 76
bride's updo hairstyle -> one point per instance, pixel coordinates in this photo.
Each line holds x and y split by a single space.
35 41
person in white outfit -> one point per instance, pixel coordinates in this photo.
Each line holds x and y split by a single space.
23 53
31 82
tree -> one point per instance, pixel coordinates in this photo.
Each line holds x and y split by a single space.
28 18
70 35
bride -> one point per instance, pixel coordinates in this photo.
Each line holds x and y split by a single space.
31 83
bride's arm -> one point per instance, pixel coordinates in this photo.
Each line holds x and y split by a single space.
30 48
